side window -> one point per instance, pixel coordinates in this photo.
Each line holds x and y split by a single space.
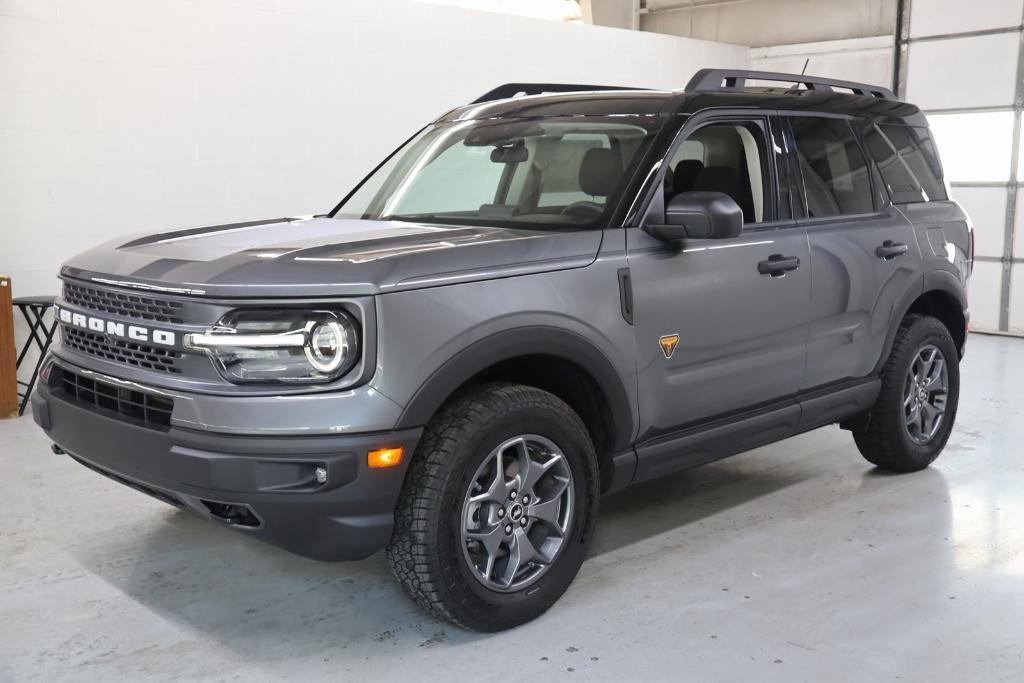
836 176
901 183
917 150
729 157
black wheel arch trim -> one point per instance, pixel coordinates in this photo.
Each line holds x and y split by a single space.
524 341
934 281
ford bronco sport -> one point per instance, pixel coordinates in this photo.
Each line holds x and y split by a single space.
547 295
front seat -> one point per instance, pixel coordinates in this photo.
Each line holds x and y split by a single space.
724 179
684 177
600 172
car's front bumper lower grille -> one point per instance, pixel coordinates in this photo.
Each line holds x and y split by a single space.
142 407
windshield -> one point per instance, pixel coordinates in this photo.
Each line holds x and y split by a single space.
549 172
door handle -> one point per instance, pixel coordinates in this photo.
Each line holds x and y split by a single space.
778 265
890 250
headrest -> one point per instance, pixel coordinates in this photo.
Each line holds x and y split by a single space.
717 179
685 174
600 171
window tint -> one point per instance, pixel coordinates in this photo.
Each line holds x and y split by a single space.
835 173
901 183
917 150
724 157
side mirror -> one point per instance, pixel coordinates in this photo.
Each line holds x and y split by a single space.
699 215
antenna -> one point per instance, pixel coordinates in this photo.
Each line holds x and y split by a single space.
804 70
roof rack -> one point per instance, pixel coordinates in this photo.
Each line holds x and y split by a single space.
513 89
711 80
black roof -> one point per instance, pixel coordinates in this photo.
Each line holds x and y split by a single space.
816 95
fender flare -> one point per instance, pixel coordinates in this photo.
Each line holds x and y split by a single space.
935 281
946 282
523 341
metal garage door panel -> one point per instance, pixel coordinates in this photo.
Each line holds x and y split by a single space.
939 17
983 295
1017 299
979 71
1018 229
987 208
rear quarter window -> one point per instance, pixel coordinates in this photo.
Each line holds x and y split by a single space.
917 150
903 187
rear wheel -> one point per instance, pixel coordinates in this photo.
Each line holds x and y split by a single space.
497 509
913 417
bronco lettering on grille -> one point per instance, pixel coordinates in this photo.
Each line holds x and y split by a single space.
115 329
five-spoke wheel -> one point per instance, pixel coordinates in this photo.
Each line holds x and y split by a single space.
925 393
498 507
920 384
516 512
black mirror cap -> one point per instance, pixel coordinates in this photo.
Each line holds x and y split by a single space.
699 215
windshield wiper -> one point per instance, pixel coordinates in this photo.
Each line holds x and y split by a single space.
410 218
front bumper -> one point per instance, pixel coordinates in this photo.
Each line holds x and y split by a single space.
261 485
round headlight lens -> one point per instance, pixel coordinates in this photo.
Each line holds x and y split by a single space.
281 345
328 346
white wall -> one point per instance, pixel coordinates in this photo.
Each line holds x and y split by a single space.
120 116
762 23
865 60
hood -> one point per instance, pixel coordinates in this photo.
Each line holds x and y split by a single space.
328 257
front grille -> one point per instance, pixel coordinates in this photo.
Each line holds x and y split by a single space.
139 406
121 351
127 305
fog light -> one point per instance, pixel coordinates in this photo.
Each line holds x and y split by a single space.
320 473
385 457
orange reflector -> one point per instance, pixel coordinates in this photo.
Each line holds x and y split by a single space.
385 457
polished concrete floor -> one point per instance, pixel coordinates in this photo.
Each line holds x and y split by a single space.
794 562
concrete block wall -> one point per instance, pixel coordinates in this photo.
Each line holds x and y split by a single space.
126 116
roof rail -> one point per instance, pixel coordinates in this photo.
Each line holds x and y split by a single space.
708 80
512 89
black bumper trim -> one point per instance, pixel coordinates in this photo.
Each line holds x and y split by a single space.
348 517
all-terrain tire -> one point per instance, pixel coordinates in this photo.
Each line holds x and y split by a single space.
426 551
882 436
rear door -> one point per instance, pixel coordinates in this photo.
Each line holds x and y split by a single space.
718 328
864 252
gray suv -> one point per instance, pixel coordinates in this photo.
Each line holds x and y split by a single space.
547 295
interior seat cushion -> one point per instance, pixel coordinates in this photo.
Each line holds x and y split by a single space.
718 179
684 177
600 171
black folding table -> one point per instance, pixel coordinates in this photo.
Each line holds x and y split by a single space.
40 334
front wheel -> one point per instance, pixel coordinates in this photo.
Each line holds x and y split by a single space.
912 420
497 509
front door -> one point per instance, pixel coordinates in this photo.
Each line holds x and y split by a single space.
721 325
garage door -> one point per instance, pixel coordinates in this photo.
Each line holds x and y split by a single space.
961 63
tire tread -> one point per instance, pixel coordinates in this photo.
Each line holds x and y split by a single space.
413 551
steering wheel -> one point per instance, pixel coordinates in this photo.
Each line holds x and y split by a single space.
584 209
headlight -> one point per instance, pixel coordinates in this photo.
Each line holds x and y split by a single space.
281 345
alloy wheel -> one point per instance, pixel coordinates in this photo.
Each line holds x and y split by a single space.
517 512
925 393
